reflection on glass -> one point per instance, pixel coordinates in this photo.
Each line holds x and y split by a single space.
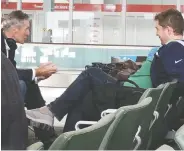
73 56
94 21
102 26
140 20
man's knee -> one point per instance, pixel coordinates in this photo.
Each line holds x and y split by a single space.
93 70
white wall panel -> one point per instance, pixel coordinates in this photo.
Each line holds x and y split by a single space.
146 33
111 27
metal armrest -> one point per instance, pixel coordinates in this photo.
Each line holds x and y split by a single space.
30 128
138 138
156 116
169 106
179 100
180 105
84 123
108 111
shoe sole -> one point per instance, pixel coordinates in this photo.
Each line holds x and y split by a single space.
39 125
39 120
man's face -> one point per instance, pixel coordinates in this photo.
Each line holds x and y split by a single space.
22 32
163 33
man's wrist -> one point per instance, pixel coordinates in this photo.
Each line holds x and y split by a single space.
38 79
37 72
33 74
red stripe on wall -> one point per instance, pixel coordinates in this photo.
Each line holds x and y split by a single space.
8 5
148 8
92 7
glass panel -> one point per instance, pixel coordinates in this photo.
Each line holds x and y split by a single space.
112 32
140 29
112 1
182 6
57 26
57 23
87 23
72 56
96 22
38 26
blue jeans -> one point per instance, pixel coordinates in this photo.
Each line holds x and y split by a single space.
76 92
23 88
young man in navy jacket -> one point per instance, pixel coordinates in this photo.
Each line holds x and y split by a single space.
167 65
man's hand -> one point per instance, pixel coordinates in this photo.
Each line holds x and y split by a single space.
46 70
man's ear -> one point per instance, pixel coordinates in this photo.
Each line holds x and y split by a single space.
14 30
170 30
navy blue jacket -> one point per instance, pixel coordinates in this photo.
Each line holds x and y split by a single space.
168 64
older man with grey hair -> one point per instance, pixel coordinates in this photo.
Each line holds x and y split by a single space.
15 28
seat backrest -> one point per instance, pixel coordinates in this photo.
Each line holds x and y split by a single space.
148 118
158 129
121 133
84 139
165 97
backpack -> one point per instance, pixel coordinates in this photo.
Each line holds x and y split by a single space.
119 70
141 77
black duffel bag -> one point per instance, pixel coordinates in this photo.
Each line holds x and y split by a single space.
102 97
119 70
109 96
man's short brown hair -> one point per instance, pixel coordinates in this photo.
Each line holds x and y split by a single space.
19 15
172 18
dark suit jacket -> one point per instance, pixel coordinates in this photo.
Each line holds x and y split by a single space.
33 98
14 131
24 74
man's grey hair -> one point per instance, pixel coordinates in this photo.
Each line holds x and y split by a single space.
15 18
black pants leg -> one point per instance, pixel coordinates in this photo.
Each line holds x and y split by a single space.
75 93
33 97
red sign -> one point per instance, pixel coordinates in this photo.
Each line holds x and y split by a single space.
92 7
4 1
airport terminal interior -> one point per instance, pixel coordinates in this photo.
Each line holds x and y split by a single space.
75 33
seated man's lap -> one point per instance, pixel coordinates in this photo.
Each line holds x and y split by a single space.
23 88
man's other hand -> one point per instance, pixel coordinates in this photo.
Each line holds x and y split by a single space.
46 70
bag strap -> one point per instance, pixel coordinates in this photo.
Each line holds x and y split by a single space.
130 81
